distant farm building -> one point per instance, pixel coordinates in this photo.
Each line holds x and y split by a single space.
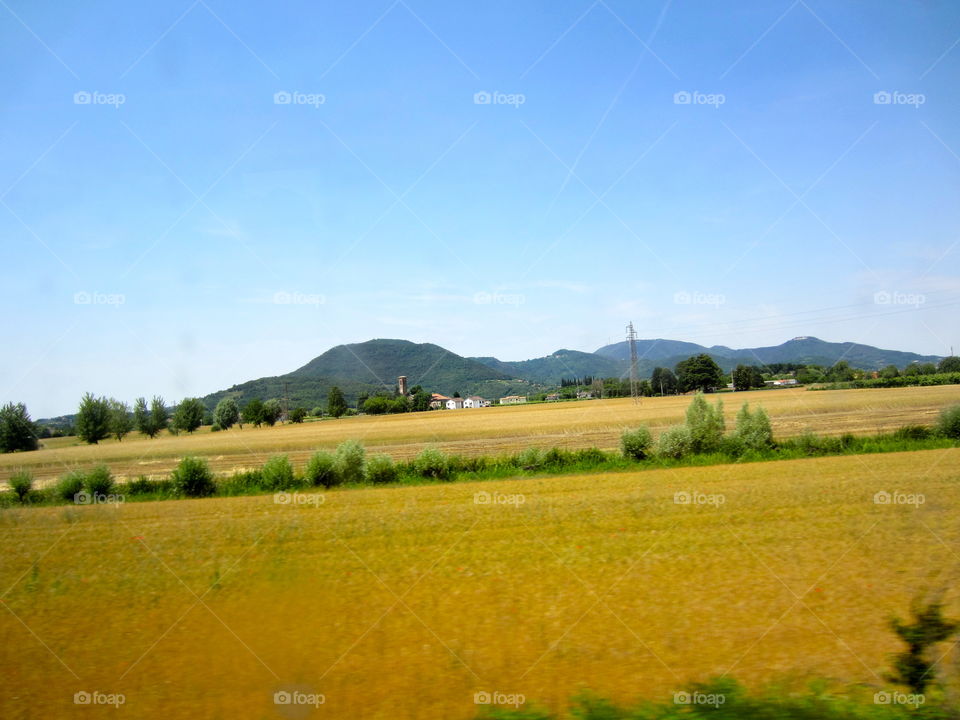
552 397
438 401
513 399
475 401
454 403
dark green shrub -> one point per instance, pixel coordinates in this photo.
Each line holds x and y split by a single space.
322 470
380 469
432 463
753 429
193 478
675 442
831 445
705 425
99 481
808 443
21 483
457 463
242 483
949 424
556 458
636 444
215 428
277 473
590 456
530 458
913 432
733 446
472 464
351 460
914 666
70 484
142 486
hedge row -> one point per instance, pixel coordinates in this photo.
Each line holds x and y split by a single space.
700 441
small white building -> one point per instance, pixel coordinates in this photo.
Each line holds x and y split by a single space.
455 404
513 399
475 401
438 401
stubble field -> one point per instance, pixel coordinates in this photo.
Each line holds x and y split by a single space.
488 431
403 602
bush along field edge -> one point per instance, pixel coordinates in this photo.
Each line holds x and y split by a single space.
701 440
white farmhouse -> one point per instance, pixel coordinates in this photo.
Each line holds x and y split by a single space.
455 403
475 401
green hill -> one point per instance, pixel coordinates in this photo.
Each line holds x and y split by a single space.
807 350
561 364
375 365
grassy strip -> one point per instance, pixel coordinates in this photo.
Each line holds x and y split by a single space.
950 378
442 468
725 699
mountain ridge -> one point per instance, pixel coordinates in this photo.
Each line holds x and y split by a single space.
374 365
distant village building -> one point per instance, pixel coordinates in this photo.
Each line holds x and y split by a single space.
584 395
552 397
475 401
513 399
402 384
438 401
455 403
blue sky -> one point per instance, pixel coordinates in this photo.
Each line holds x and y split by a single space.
722 172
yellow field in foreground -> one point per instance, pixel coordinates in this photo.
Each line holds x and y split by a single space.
593 423
403 602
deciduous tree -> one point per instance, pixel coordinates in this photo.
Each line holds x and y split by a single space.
93 419
336 404
120 421
17 430
227 413
699 372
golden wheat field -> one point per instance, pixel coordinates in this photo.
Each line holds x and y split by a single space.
594 423
403 603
